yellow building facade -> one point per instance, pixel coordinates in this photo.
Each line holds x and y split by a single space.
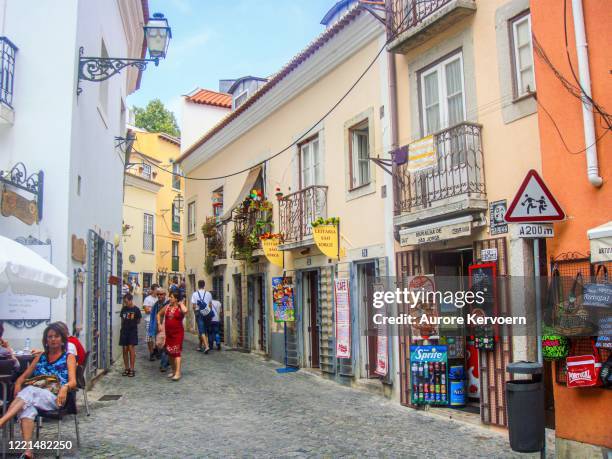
153 158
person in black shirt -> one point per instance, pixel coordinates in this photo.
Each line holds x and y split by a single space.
128 337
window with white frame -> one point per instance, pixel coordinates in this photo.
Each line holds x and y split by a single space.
148 239
359 153
176 177
522 55
240 99
311 171
191 218
146 171
443 94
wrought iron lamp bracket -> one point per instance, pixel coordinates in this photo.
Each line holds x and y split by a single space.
102 68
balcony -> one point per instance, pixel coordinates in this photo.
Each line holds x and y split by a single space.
455 185
7 78
249 224
416 21
175 263
215 240
297 211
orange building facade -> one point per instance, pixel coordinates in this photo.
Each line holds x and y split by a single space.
582 416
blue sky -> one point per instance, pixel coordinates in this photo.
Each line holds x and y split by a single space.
213 40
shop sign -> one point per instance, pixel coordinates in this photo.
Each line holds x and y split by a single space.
414 236
20 207
535 230
488 255
497 214
597 295
343 319
327 239
282 295
422 154
601 249
78 249
272 252
382 342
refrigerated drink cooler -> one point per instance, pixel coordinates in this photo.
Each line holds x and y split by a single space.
428 375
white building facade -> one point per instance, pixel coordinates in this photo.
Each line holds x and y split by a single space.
47 127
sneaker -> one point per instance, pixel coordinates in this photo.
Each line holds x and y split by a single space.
206 351
151 358
199 349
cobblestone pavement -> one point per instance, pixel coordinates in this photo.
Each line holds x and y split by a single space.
232 404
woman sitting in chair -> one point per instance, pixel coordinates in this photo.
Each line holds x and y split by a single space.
45 384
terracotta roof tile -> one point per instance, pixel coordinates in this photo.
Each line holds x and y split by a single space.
207 97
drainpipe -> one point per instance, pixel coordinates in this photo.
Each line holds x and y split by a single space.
585 81
392 83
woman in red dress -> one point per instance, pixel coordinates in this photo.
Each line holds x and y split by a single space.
173 315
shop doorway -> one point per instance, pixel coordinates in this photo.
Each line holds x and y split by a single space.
451 269
365 280
257 312
237 315
310 315
217 293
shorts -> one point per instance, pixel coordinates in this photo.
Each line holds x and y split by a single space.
201 321
128 337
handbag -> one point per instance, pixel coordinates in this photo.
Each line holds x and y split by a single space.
572 319
160 339
583 370
48 382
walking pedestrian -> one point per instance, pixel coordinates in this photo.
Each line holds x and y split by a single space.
154 328
173 314
128 336
200 302
174 286
147 307
215 325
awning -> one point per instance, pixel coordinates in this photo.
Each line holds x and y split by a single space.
26 272
601 242
248 185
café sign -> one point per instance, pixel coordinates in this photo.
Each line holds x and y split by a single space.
434 233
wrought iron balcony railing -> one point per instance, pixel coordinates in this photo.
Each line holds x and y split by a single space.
459 171
7 70
215 243
298 210
410 13
248 226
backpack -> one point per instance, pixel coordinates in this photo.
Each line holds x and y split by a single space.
204 309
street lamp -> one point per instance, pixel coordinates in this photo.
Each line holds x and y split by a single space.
157 35
178 202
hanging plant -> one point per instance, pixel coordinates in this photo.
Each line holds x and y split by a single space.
325 221
209 264
209 228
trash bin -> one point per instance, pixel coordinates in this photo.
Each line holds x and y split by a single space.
525 407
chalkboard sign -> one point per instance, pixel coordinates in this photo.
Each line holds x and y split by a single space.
597 295
483 279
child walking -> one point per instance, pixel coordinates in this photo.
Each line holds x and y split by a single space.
128 337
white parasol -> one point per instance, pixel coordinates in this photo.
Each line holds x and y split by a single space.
26 272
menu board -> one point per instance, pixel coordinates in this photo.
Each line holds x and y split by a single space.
343 319
282 292
483 279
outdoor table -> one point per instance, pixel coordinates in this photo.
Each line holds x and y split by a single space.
24 361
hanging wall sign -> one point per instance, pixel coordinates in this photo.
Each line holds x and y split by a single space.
282 294
343 319
271 250
78 249
20 207
327 239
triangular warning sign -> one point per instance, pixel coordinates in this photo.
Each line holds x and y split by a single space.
534 202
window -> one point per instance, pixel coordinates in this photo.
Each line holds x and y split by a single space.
359 152
176 178
175 256
191 218
176 219
146 171
442 95
310 164
522 55
217 203
240 99
148 243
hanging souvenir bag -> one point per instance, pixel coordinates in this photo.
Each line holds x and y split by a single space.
572 319
554 346
583 370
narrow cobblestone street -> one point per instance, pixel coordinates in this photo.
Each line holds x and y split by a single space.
231 404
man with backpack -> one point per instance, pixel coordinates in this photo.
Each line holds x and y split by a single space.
201 301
